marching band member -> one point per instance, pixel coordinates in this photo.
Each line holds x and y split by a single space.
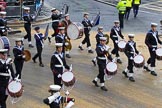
55 21
3 24
130 51
55 100
152 40
6 72
98 35
39 44
19 56
87 27
102 51
65 24
27 25
115 34
58 64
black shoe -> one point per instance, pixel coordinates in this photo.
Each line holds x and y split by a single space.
104 88
34 60
94 63
68 56
90 51
153 73
146 68
125 74
49 39
31 46
80 48
119 61
131 79
95 83
41 65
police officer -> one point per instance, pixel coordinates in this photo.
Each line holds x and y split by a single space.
115 34
58 64
121 6
102 52
98 35
55 99
152 40
136 4
130 51
128 8
6 72
56 16
3 24
39 37
87 27
27 25
65 24
19 57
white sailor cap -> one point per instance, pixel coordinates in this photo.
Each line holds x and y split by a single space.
116 21
85 13
131 35
103 38
61 28
53 9
66 15
18 39
3 13
3 50
55 87
26 8
58 44
154 24
100 28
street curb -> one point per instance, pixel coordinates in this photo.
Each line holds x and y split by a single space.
101 1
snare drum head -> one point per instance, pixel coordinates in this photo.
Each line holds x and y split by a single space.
122 44
111 67
67 76
138 59
159 52
14 87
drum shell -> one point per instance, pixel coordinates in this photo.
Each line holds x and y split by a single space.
121 49
139 65
158 57
70 83
110 73
27 55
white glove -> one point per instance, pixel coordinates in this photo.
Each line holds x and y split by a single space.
153 49
67 93
71 68
106 47
23 56
116 41
139 53
102 49
60 12
33 17
66 43
59 76
92 22
131 58
70 104
9 60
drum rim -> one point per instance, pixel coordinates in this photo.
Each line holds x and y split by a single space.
116 67
140 55
68 72
10 91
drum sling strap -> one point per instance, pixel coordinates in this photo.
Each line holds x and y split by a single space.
132 48
117 33
59 59
40 40
154 35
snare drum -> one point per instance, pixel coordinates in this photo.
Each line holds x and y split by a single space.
111 68
15 89
68 78
75 30
4 42
139 61
121 45
159 54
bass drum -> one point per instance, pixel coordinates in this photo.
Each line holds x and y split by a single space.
75 30
4 43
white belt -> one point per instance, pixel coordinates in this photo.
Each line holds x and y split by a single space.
132 52
58 66
101 58
2 26
55 20
115 36
154 46
4 74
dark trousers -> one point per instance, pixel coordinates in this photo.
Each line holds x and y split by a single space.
86 39
55 29
115 50
152 58
28 31
130 65
3 96
128 9
101 67
121 19
57 81
135 10
38 54
18 67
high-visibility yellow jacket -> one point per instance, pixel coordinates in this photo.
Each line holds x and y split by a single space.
137 2
121 6
129 3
